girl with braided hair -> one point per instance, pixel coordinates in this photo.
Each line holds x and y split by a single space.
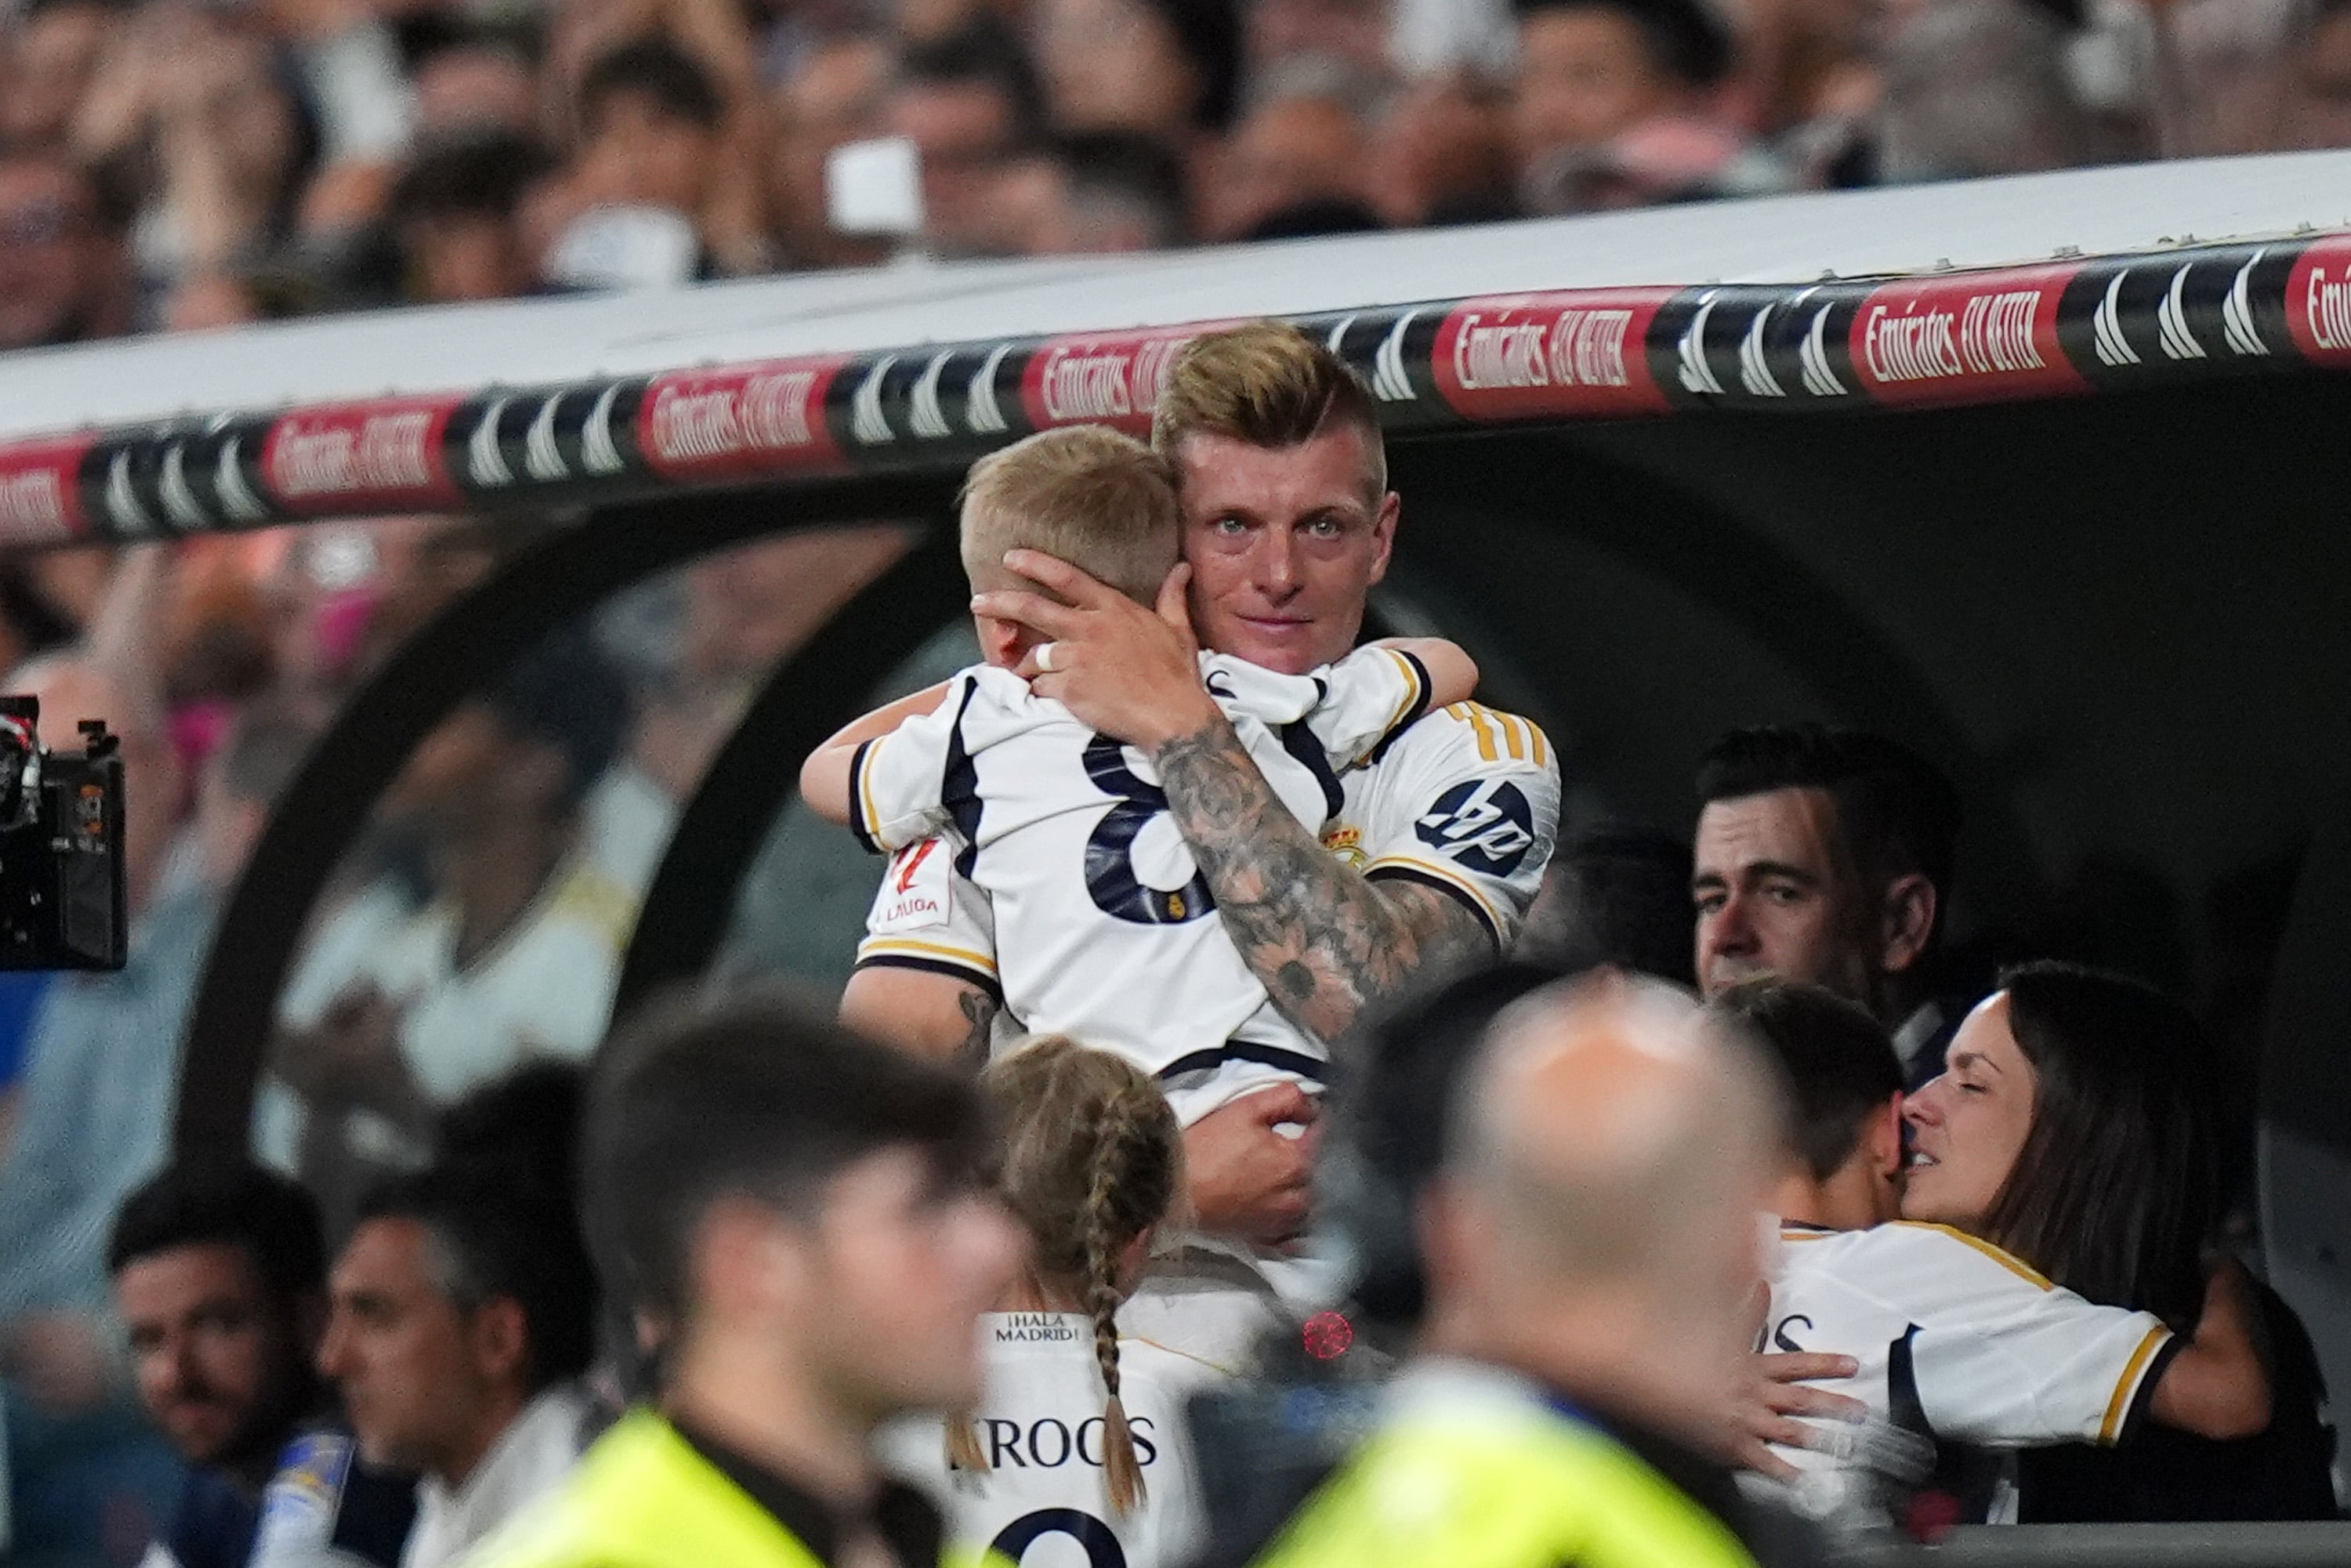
1078 1431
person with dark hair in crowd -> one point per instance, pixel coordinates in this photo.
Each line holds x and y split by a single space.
1589 1305
1592 71
65 268
454 217
1167 69
1953 1340
465 1315
220 1277
796 1215
1613 894
2073 1126
652 125
1106 193
1825 855
398 1009
969 103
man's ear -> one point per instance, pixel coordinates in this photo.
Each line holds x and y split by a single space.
1383 527
501 1335
1001 642
1882 1140
1907 917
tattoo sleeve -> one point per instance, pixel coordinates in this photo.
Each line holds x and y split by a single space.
1323 941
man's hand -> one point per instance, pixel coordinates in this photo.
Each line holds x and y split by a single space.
1132 673
1775 1396
1249 1179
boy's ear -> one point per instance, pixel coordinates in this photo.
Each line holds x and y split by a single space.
1001 642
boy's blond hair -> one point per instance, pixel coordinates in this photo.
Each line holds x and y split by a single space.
1270 385
1103 502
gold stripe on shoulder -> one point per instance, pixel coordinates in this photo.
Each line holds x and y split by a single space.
2118 1407
1474 716
879 945
2006 1260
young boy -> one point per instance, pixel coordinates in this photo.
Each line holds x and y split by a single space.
1104 929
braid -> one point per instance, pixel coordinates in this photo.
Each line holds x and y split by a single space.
1114 1137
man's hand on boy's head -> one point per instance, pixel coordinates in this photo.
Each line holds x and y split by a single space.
1130 671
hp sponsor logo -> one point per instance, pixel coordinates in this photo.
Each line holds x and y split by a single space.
1486 824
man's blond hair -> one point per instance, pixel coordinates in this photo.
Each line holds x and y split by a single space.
1103 502
1270 384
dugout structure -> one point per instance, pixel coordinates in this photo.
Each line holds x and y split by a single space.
2043 476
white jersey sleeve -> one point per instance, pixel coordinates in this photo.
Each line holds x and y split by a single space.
904 786
927 915
1962 1343
1467 801
1349 708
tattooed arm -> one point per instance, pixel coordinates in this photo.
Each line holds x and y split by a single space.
930 1014
1324 942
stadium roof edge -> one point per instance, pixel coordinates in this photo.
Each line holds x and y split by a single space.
1977 291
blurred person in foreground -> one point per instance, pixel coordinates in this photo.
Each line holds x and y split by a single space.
399 1008
1592 1259
1079 1430
795 1216
220 1279
1615 894
1825 855
1954 1340
464 1316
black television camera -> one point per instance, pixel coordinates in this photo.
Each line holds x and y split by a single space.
62 898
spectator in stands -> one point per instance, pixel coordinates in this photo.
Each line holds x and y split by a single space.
969 103
1590 1288
1104 193
63 270
651 122
1847 1088
46 60
220 1277
1442 154
1353 33
397 1011
797 1214
1591 71
1617 896
836 95
1299 151
1168 69
474 86
454 216
465 1315
1825 855
1977 87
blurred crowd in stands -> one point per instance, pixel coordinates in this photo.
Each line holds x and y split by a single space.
166 164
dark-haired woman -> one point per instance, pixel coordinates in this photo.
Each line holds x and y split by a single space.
2074 1127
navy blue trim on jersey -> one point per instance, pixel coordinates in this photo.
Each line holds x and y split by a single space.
959 787
1312 1068
947 967
857 798
1412 715
1300 740
1902 1403
1407 874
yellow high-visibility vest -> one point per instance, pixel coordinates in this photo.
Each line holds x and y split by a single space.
1473 1469
642 1497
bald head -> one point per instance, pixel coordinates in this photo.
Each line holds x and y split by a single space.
1603 1176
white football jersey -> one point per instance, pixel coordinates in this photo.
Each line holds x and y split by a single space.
1958 1342
1103 928
1040 1423
1464 799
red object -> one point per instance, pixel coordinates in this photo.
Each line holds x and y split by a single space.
1932 1515
1328 1335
